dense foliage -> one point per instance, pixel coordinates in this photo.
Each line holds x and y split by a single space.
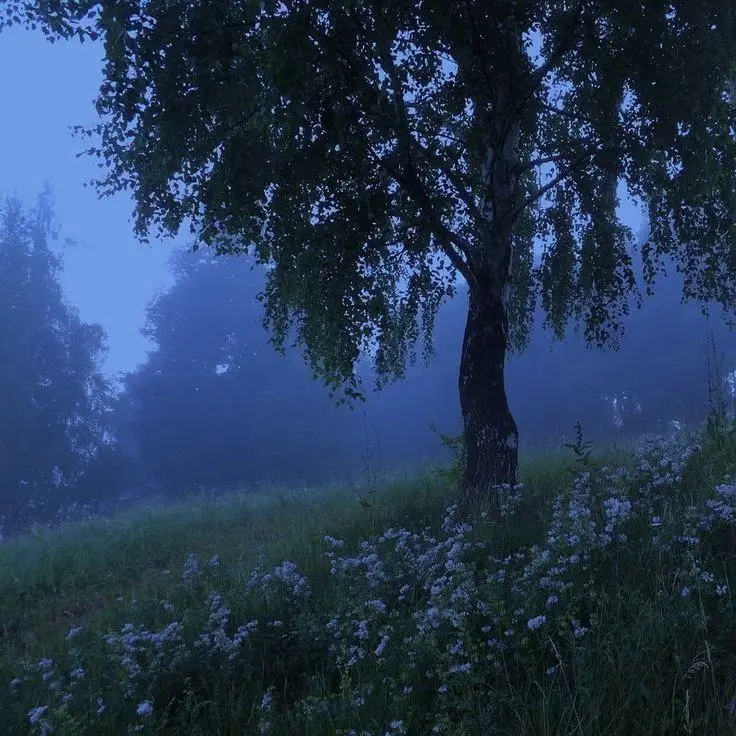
374 152
53 395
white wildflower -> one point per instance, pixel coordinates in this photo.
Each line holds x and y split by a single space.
267 699
145 708
35 714
382 644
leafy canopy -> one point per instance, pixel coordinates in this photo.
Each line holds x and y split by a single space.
341 142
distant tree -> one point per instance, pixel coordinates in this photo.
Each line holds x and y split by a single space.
214 405
373 151
52 392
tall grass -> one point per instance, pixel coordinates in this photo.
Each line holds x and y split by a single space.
596 599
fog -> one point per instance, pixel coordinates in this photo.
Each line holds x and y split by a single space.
202 400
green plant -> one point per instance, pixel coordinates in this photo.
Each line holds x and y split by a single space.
368 502
456 445
720 426
581 448
586 612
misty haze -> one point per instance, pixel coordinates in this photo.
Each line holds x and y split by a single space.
349 387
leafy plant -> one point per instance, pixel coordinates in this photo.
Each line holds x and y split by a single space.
581 448
456 445
720 425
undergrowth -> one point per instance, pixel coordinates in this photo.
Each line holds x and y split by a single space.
594 599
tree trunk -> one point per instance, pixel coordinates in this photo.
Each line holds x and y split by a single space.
491 435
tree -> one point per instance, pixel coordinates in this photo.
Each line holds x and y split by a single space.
374 151
52 392
214 405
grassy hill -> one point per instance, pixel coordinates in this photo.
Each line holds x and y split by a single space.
595 600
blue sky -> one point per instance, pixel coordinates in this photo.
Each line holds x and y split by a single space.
108 276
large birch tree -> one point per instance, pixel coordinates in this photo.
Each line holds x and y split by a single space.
374 151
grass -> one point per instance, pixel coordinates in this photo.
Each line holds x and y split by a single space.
594 600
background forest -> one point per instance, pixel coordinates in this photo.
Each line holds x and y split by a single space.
215 407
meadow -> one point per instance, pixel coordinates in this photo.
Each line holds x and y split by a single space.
594 599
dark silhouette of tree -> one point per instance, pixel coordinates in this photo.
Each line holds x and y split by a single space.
214 405
52 392
371 151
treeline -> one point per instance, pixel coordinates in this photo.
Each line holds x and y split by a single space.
55 402
214 406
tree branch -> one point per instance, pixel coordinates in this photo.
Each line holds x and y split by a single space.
521 168
413 183
577 162
453 245
448 240
567 43
418 129
481 58
565 113
453 178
